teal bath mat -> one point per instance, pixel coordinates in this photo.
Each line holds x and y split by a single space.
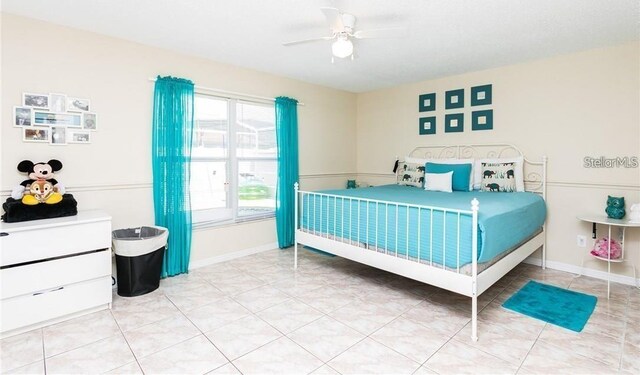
562 307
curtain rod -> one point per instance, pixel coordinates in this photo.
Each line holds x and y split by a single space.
237 94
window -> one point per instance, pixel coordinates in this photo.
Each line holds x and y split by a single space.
233 160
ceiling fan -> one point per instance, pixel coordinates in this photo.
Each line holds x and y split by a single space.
342 27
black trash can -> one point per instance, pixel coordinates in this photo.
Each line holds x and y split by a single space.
139 255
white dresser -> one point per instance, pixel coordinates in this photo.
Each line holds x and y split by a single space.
53 269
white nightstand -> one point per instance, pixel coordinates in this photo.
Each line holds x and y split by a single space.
622 225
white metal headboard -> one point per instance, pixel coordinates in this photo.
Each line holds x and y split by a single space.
535 172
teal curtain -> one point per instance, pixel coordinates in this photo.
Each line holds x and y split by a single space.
171 159
287 139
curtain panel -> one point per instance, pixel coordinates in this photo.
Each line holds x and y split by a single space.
173 107
287 140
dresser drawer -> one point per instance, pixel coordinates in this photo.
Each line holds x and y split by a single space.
43 243
32 278
30 309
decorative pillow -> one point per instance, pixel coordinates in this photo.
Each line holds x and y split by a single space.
518 169
457 161
424 161
461 173
499 177
410 174
438 182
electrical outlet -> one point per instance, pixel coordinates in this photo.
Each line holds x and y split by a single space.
581 241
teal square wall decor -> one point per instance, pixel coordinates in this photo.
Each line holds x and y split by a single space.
481 95
427 125
427 102
454 99
482 120
454 123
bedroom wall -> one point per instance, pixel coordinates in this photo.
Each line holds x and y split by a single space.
114 172
566 107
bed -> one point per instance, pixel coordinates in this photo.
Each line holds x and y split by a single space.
463 241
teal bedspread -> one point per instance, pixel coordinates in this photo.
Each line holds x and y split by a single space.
504 221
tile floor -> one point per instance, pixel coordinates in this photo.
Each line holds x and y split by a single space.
255 315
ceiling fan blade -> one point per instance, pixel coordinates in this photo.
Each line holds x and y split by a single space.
334 19
307 41
392 32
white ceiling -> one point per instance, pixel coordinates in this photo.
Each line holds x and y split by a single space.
445 36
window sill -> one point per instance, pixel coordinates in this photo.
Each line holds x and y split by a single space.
231 223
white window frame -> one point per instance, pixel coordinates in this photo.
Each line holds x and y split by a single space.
232 161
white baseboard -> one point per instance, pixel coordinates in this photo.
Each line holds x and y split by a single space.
232 255
627 280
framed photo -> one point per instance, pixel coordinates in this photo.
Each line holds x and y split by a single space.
454 99
53 119
482 120
22 116
454 123
34 134
78 136
427 125
57 102
58 135
89 121
78 105
427 102
35 100
481 95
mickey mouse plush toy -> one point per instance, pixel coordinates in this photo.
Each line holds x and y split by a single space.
41 187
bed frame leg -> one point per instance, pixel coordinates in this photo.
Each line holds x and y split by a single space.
474 318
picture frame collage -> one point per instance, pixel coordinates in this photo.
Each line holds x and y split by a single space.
55 118
481 118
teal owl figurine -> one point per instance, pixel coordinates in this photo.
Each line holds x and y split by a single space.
615 207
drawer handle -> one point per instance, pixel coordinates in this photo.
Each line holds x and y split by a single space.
49 291
3 234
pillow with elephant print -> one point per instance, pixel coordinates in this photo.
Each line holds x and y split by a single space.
498 177
410 174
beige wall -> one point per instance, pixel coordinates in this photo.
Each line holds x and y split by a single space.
567 107
114 172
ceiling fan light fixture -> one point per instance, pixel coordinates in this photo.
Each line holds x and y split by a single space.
342 48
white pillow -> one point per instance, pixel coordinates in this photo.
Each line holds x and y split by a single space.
422 161
438 181
519 171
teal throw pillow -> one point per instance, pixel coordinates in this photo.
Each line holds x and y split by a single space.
461 174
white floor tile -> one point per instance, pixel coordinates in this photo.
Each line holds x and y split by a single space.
35 368
228 369
410 339
20 350
78 332
365 317
326 337
370 357
194 356
261 298
242 336
459 358
134 314
290 315
160 335
98 357
281 356
193 298
217 314
129 369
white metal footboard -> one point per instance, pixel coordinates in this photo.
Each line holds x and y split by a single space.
326 231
